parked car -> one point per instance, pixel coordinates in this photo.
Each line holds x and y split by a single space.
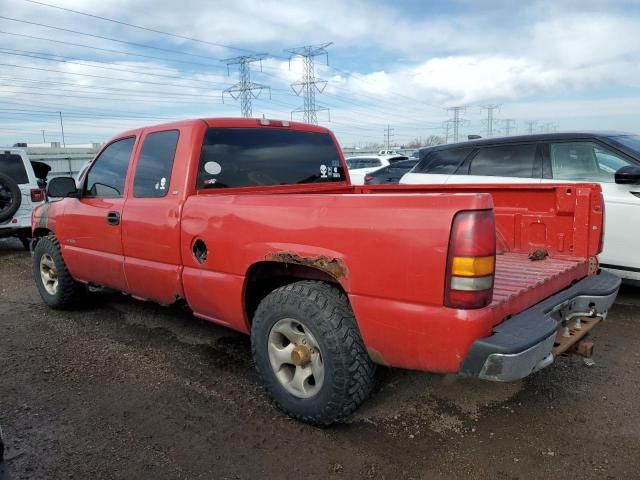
20 192
363 165
390 174
254 225
610 159
384 153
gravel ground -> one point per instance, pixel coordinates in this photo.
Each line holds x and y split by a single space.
129 390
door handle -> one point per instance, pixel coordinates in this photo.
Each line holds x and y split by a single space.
113 218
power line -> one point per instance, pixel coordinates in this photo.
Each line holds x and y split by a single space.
109 50
245 89
309 84
71 60
89 75
101 37
175 35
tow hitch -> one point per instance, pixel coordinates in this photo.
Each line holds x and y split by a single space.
571 337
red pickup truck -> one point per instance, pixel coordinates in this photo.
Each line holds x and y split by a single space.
254 224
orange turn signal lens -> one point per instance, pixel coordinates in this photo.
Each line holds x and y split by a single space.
472 266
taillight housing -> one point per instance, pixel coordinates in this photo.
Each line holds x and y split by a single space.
471 260
37 195
603 230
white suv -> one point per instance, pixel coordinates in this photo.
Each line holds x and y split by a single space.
20 192
610 159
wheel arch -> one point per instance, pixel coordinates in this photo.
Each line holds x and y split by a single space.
264 277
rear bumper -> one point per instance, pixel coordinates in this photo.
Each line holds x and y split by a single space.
523 344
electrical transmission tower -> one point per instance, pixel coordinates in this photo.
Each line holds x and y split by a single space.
456 121
309 85
245 89
388 133
490 109
530 126
508 123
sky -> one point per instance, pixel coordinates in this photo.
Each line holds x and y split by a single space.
547 65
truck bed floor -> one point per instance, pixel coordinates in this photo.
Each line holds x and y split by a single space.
517 277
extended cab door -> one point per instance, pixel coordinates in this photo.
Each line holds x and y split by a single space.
506 163
90 229
151 217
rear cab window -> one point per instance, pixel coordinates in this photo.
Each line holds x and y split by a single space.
252 157
12 165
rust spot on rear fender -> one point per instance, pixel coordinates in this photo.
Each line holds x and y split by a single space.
333 266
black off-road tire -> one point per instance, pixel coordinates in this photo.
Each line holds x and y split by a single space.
349 371
68 290
10 197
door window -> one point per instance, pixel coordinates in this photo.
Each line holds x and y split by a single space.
585 161
153 171
108 172
506 161
443 162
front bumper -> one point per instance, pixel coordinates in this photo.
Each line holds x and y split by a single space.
523 344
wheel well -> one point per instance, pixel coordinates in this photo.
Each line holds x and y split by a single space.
265 277
41 232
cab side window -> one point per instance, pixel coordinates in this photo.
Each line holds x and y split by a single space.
108 172
506 161
153 171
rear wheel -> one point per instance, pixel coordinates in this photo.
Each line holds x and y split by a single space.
309 353
55 284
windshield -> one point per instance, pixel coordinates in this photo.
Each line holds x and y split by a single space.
630 142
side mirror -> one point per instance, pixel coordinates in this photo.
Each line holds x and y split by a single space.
628 175
60 187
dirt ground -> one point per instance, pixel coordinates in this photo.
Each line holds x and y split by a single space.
129 390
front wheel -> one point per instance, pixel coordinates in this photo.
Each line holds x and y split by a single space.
309 353
56 286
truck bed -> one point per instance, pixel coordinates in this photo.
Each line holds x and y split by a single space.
518 277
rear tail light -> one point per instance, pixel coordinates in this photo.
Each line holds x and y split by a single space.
471 260
37 195
602 228
368 178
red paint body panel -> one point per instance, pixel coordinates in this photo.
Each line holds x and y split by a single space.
391 242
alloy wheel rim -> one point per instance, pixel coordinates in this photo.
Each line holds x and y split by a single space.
49 274
296 358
